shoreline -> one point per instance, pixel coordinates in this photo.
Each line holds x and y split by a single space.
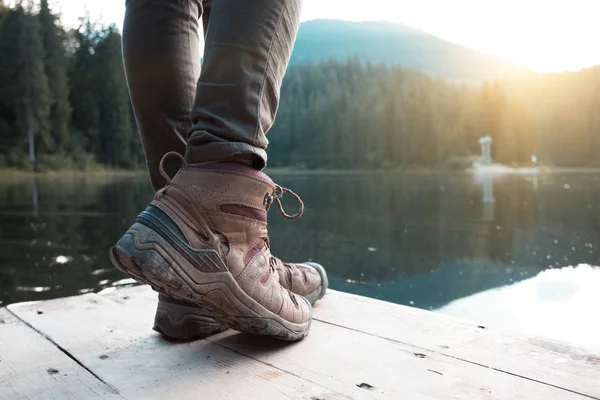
423 171
17 173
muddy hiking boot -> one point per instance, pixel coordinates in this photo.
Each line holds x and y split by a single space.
182 320
204 240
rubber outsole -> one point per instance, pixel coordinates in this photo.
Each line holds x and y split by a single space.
184 322
142 254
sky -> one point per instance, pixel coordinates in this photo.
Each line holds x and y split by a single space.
546 35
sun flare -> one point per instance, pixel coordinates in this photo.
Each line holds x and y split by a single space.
545 36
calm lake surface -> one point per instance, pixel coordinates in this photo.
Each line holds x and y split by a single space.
429 241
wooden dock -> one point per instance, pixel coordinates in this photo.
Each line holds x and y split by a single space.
101 346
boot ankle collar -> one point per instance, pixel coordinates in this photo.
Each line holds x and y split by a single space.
232 166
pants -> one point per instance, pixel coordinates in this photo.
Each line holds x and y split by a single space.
222 111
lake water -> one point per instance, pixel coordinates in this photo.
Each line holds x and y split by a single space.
493 249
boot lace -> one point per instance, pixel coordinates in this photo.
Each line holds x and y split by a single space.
276 196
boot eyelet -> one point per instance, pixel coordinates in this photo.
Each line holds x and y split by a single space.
268 200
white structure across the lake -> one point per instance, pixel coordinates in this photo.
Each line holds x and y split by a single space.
486 149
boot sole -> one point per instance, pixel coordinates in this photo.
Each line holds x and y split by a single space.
147 257
184 321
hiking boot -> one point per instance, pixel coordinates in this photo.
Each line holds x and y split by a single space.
204 240
182 320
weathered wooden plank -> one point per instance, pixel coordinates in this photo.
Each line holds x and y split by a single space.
117 344
395 371
142 298
32 367
535 358
328 364
333 354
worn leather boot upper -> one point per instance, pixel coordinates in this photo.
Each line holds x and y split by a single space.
224 207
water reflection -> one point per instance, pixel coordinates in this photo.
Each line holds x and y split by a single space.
421 240
436 237
35 197
54 233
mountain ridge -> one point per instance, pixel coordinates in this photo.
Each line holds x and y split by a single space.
397 44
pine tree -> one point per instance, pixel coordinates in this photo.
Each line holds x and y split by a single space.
56 70
84 86
25 85
115 123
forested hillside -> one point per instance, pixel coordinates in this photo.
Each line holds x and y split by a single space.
63 96
356 115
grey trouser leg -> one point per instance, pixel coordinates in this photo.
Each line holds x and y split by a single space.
248 47
229 109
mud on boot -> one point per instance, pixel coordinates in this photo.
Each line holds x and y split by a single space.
204 239
182 320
